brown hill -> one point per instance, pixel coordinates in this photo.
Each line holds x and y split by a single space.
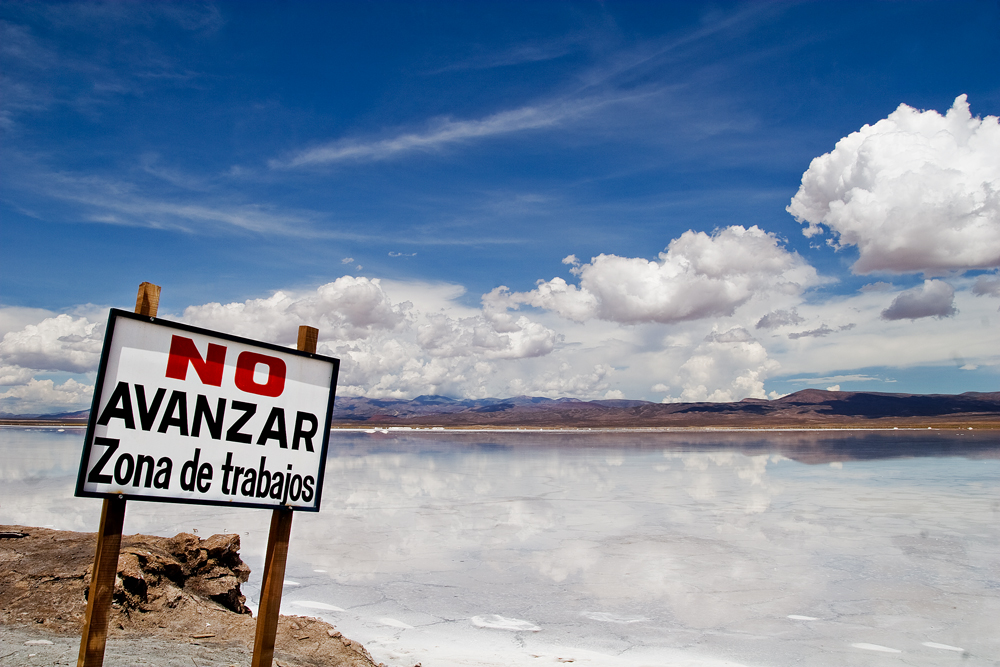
809 408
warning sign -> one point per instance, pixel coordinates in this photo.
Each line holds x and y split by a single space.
182 414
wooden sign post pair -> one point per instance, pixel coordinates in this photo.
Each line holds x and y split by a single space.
300 383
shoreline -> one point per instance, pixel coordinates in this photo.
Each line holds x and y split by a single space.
957 426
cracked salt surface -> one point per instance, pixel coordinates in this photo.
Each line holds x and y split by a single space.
618 550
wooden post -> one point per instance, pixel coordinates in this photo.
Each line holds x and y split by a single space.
109 542
147 301
277 554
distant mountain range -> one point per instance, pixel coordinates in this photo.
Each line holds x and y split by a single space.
806 408
809 408
79 415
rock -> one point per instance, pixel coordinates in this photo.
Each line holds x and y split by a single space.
38 642
210 568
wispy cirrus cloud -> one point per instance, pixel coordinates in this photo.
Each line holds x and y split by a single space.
200 206
42 68
123 202
110 16
441 133
614 80
519 54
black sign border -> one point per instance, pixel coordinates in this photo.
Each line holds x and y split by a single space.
95 406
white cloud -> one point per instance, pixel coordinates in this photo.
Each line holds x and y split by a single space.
935 298
348 308
835 387
61 343
916 192
443 336
403 339
15 318
44 396
10 375
427 343
563 382
697 276
725 367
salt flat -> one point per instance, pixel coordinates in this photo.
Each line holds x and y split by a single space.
619 549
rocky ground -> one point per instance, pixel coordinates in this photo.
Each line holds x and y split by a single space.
177 601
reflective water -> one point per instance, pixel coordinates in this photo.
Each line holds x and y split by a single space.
617 549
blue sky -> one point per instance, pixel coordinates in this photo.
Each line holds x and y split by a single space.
384 168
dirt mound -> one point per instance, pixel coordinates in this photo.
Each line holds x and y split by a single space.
183 587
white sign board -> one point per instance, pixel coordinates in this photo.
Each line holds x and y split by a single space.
182 414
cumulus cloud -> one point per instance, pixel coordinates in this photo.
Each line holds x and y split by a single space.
14 375
444 336
725 367
61 343
915 192
779 318
389 348
347 308
935 298
45 396
564 382
15 318
395 366
697 276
